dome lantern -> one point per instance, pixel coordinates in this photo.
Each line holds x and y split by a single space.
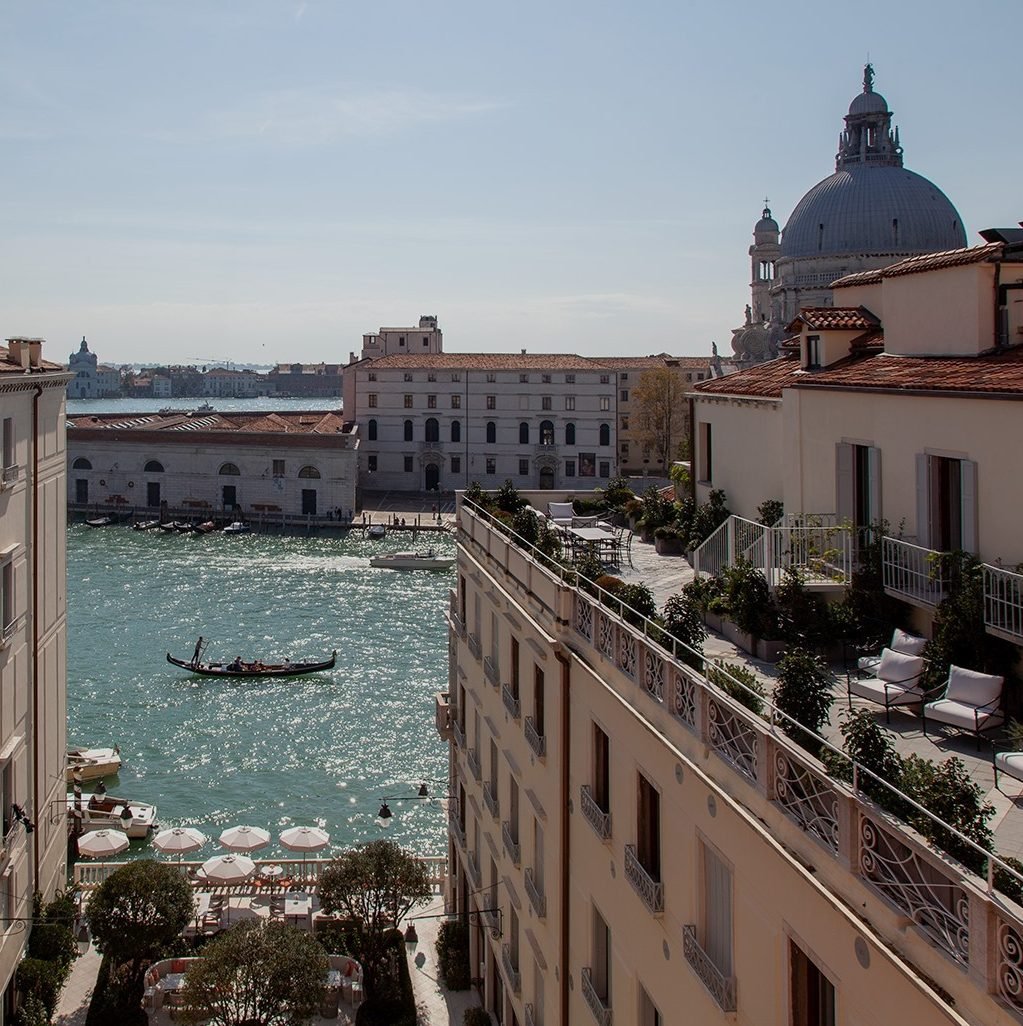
868 138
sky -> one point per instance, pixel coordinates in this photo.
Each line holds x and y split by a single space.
265 181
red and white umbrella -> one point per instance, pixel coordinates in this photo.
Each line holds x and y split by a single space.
245 838
228 869
97 844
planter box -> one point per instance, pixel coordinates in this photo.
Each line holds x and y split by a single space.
769 651
668 546
713 621
646 534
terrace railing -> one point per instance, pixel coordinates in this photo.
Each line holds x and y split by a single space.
594 814
649 889
721 987
1003 602
912 572
535 740
511 846
535 892
601 1011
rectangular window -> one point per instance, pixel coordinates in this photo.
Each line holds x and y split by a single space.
523 468
625 423
456 402
538 700
600 966
699 377
456 464
491 465
278 468
648 1014
8 442
431 402
624 395
569 468
408 375
605 403
569 402
624 377
601 769
491 402
7 797
491 378
648 828
430 376
569 379
605 468
545 402
813 351
372 399
408 401
523 379
706 467
625 450
513 808
494 768
401 340
426 341
716 910
812 993
7 611
545 379
372 375
513 676
456 375
408 464
605 379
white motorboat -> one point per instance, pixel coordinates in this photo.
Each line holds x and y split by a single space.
427 560
238 527
92 763
104 810
376 531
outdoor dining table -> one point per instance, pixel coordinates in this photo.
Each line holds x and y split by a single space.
593 538
297 908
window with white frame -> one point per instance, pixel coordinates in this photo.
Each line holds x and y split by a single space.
456 402
491 402
371 399
605 402
569 402
408 402
545 402
8 613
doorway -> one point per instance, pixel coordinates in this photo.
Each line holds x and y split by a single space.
309 502
81 491
432 477
153 493
230 496
546 478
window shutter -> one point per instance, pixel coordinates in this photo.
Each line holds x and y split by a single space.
923 495
968 472
717 911
874 483
844 481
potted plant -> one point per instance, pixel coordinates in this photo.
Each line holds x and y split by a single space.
668 540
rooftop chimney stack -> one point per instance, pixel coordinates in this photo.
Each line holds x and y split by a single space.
28 352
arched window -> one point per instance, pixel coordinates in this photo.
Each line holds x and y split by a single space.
153 467
81 464
491 431
605 434
432 430
309 472
371 428
408 431
570 434
229 470
546 432
456 431
523 433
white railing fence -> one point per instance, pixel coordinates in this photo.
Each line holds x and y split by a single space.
912 571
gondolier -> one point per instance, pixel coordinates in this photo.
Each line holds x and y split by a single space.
257 668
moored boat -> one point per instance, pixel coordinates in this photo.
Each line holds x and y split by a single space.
427 560
99 521
92 763
205 527
376 531
136 819
237 527
145 525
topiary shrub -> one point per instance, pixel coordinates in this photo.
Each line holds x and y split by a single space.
803 693
748 600
740 682
394 1003
683 621
453 954
639 603
508 499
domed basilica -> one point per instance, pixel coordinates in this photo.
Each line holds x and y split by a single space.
870 213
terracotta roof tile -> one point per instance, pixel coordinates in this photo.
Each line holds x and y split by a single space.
488 361
858 278
762 381
836 318
868 340
9 366
923 262
293 422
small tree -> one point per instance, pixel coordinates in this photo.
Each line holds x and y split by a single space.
738 681
375 886
804 693
682 620
256 974
662 413
140 909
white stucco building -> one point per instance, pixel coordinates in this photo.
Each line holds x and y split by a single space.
297 463
92 380
33 643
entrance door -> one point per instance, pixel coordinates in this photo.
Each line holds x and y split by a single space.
309 501
153 493
432 477
81 491
546 478
230 496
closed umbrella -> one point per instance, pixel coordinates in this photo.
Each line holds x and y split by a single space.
97 844
305 839
244 838
228 869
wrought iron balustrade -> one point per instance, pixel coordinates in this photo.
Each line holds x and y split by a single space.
473 866
536 895
490 670
594 814
457 732
721 987
511 703
601 1012
511 846
511 970
649 889
490 799
535 740
474 646
472 757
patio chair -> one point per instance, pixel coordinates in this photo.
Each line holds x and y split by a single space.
561 514
908 644
896 682
584 521
970 702
1008 762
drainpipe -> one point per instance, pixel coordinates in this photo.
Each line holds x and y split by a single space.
566 750
35 635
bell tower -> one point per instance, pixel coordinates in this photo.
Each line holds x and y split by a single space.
763 257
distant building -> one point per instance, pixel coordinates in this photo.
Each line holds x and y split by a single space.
91 380
33 643
162 388
294 463
222 382
305 379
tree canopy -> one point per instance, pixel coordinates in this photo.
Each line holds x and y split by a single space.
258 974
140 909
662 414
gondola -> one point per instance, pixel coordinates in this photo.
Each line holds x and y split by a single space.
99 521
253 669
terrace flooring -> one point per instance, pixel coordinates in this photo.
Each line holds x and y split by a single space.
666 575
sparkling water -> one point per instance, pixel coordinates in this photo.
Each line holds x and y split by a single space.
323 749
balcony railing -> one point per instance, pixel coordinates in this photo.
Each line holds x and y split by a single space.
457 829
457 732
594 814
9 475
492 917
511 703
601 1012
474 646
536 741
472 757
490 671
528 1015
490 799
1003 602
912 572
511 846
511 970
649 889
537 898
473 866
721 987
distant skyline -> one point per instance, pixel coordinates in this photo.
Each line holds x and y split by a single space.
264 182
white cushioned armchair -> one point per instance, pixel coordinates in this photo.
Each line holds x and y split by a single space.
902 641
970 702
560 514
896 682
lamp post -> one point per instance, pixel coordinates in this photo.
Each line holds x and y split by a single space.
385 815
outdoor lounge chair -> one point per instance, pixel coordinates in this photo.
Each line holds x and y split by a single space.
896 682
1008 763
908 644
970 702
560 514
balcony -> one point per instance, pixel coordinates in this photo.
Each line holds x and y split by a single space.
510 969
912 573
511 703
601 1012
721 987
649 889
528 1015
443 710
457 732
536 741
490 671
511 846
595 815
1003 603
9 475
472 757
473 867
490 799
457 829
492 917
474 647
537 898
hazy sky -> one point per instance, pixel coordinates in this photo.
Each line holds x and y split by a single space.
259 180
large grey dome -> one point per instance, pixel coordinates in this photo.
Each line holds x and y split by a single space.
868 209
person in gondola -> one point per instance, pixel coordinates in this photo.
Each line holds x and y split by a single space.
236 665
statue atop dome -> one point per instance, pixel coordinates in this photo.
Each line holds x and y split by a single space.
868 77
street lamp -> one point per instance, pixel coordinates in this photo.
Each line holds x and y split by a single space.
385 815
411 939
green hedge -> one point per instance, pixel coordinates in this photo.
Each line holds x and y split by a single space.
398 1009
453 954
117 998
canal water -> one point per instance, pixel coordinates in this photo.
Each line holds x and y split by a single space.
323 749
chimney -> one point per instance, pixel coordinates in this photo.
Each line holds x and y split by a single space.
26 352
35 352
523 352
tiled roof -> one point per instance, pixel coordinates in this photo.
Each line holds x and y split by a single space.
9 366
312 422
924 262
789 345
836 318
488 361
761 381
868 340
858 278
627 363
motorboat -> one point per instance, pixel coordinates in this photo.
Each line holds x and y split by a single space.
92 763
428 560
237 527
101 810
376 531
145 525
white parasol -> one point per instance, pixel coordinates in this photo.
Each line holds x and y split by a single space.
179 840
244 838
228 869
98 843
305 839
